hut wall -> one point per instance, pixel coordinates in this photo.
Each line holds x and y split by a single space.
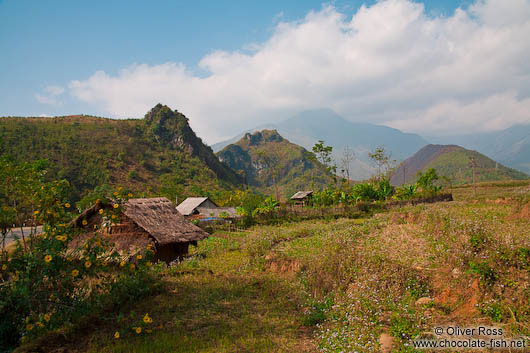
171 252
207 204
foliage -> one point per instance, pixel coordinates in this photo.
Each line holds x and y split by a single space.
382 160
406 192
426 181
52 284
268 206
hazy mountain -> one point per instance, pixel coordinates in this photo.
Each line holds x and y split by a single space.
452 162
308 127
269 162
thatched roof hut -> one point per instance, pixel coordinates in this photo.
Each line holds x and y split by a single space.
302 195
144 221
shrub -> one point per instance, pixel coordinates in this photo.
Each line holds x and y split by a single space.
51 284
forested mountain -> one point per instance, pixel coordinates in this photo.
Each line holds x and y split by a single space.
269 161
454 163
159 154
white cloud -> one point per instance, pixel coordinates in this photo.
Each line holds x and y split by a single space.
50 95
388 63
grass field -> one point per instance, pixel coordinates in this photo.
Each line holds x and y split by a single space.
346 285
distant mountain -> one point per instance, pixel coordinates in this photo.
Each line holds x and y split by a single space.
453 162
510 146
270 162
308 127
159 154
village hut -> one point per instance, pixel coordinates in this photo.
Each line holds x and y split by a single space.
191 205
302 198
142 222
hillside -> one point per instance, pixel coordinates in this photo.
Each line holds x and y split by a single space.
267 159
453 162
510 146
307 127
159 154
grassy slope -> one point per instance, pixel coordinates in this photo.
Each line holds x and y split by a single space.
455 165
453 162
294 170
266 290
150 156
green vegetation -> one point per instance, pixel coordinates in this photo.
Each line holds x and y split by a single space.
48 285
157 155
270 164
453 165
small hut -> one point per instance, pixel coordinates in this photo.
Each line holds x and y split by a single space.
191 205
302 198
143 221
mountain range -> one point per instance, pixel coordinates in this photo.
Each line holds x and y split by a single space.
510 147
307 128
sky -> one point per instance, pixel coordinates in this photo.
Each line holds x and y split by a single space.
437 67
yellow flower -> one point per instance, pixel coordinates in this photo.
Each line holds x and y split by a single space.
75 273
139 257
67 205
47 317
122 263
47 258
84 222
113 216
116 205
27 319
69 259
5 208
132 267
115 193
100 211
138 330
130 195
4 267
40 324
147 319
116 335
148 264
95 226
36 212
149 246
29 327
88 264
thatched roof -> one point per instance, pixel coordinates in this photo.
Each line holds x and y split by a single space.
157 216
188 206
300 195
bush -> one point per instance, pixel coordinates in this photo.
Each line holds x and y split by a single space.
51 284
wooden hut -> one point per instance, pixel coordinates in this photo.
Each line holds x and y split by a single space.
302 198
191 205
143 221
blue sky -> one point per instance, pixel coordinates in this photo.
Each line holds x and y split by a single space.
52 42
434 67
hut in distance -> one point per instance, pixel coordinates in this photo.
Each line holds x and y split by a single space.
302 198
203 208
143 221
